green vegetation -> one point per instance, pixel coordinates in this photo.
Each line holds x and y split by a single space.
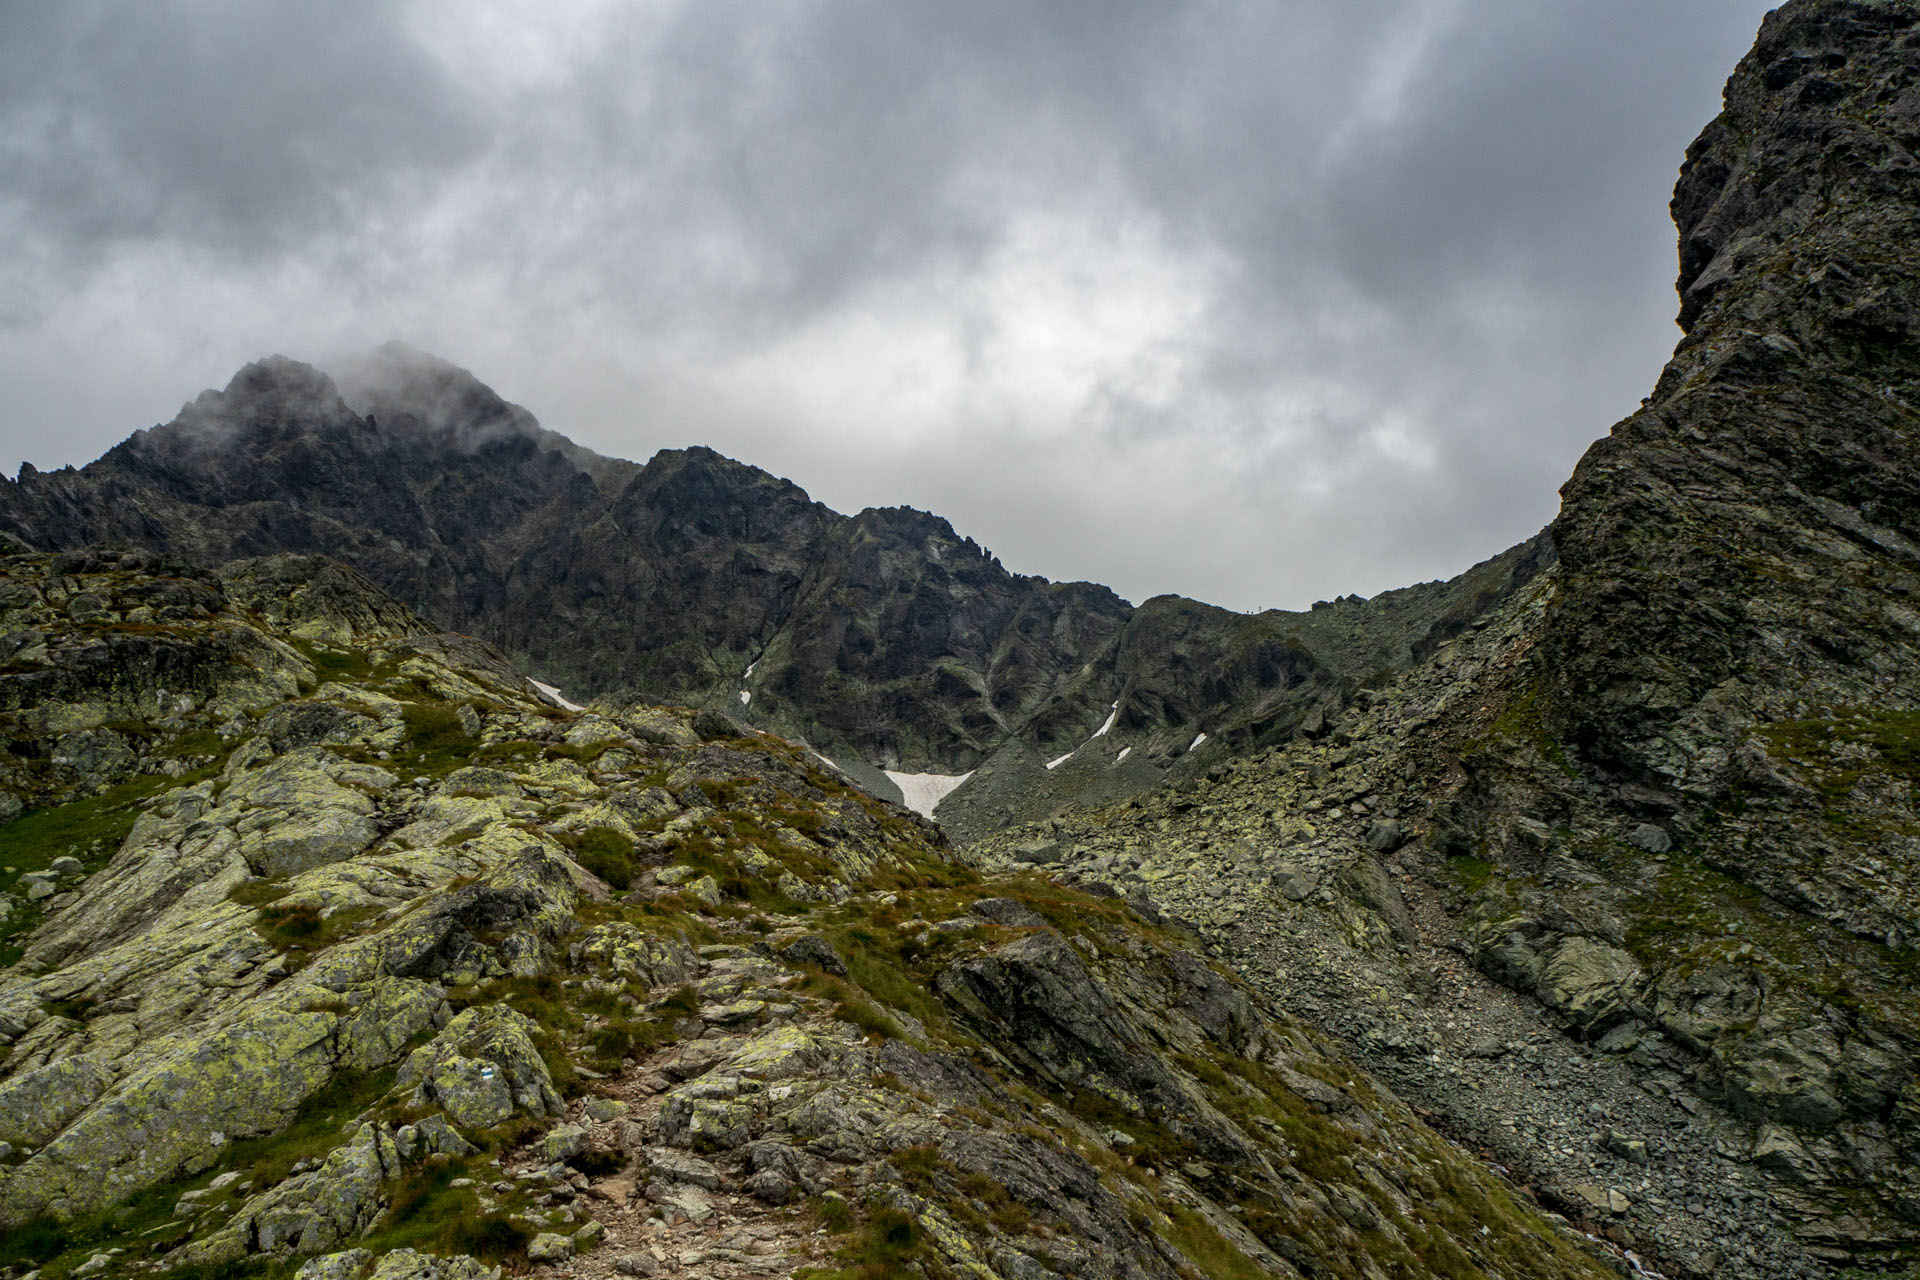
144 1224
90 829
435 742
605 852
301 927
884 1245
1473 873
1835 752
430 1214
336 664
1521 722
627 1036
1217 1257
316 1128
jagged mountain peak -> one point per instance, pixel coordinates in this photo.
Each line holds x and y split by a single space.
275 390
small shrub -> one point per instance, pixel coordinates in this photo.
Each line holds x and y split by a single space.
258 893
290 925
490 1239
33 1242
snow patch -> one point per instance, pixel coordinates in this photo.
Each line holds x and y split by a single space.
923 792
746 696
1198 738
750 667
553 695
830 764
1112 715
1124 753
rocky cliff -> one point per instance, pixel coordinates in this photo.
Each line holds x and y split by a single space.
1664 794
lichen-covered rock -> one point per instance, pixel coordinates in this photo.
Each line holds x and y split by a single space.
1590 982
409 1264
1037 996
383 1017
478 782
625 951
432 1135
173 1117
304 810
309 1212
704 889
35 1105
549 1247
482 1068
812 949
781 1054
713 1113
1789 1074
349 1264
563 1142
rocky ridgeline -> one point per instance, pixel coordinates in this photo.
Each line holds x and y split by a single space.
1517 995
365 959
885 640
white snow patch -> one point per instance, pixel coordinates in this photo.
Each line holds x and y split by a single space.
746 696
1112 716
1124 753
1198 738
923 792
830 764
553 695
750 667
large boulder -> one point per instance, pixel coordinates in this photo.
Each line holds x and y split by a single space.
35 1105
174 1117
310 1212
304 810
1590 983
482 1068
1040 1005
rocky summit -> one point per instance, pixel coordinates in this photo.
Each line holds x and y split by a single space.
1557 920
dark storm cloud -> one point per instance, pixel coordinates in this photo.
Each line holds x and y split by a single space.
236 127
1252 302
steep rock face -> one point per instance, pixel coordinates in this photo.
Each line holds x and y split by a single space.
1744 549
1704 769
1184 687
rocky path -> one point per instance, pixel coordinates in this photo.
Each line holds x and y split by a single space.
666 1212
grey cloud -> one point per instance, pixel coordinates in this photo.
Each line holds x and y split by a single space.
1249 301
226 125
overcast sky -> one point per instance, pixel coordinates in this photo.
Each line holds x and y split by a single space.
1257 302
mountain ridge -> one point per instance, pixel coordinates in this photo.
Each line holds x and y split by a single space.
885 638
